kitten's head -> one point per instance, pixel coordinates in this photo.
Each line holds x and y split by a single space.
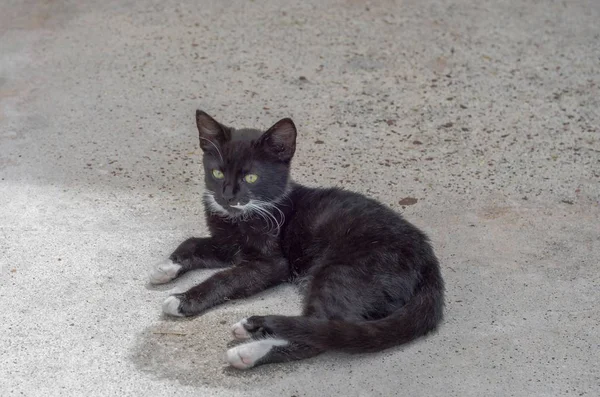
245 168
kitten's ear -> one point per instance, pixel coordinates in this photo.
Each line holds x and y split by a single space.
211 133
280 140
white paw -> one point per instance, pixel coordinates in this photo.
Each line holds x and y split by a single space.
171 306
238 330
246 356
164 272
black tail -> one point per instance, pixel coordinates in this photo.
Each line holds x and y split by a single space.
419 316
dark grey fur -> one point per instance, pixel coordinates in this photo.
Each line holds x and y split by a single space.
373 280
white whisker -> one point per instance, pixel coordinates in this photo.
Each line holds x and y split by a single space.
268 211
263 210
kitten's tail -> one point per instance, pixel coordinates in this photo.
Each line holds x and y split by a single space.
416 318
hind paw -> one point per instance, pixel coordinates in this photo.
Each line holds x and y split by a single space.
251 327
257 327
248 355
239 331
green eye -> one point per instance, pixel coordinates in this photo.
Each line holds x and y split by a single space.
251 178
218 174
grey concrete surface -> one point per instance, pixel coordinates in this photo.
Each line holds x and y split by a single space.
485 112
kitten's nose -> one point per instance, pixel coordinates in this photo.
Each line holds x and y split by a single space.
229 198
228 194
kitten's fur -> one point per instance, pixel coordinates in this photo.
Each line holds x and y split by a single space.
373 280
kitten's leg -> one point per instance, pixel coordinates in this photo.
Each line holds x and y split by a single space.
267 351
240 332
321 304
259 327
193 253
238 282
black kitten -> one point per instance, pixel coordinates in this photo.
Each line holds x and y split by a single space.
372 278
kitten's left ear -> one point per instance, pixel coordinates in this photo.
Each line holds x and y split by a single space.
280 140
211 132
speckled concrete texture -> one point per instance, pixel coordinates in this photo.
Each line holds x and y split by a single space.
479 120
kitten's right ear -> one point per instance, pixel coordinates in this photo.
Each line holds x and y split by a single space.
211 133
280 140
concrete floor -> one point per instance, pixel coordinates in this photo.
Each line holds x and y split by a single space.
485 112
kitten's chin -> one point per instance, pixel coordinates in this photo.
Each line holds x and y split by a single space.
238 207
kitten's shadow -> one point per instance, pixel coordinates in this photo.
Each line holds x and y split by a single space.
192 350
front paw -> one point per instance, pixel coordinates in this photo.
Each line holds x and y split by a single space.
164 272
172 306
182 305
